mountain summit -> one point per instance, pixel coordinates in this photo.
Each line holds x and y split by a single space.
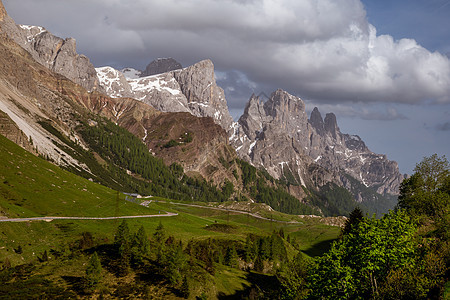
278 136
192 89
161 65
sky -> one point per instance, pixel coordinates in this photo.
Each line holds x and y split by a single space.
381 66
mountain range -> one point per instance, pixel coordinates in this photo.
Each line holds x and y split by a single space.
48 92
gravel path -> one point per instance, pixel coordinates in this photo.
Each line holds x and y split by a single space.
49 219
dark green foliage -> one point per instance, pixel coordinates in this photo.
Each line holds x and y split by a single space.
171 143
427 191
333 200
175 263
292 277
224 163
353 220
264 189
231 257
20 283
227 189
248 172
122 235
93 271
278 250
122 242
160 233
235 174
141 241
258 266
86 241
358 265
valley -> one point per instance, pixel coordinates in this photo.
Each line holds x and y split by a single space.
139 185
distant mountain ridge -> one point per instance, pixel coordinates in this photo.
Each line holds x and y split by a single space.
192 89
278 136
273 134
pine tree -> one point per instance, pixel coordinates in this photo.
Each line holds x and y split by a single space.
259 264
122 234
159 234
142 241
123 246
93 271
231 257
355 217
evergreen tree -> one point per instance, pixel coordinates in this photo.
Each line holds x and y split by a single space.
122 234
259 264
160 233
176 261
231 257
249 250
142 242
353 220
93 271
123 246
159 237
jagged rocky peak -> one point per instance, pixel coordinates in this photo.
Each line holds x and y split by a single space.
285 106
161 65
2 11
205 97
316 121
265 124
253 117
192 89
57 54
331 125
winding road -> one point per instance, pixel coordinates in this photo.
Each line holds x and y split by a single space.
49 219
233 210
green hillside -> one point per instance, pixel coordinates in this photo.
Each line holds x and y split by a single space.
58 249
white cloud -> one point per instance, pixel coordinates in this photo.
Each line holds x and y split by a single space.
319 49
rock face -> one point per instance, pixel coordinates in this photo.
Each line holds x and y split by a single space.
278 136
57 54
192 90
161 65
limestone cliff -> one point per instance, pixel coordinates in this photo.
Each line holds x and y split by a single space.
192 90
57 54
278 136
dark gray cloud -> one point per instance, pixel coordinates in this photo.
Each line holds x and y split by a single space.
443 127
323 50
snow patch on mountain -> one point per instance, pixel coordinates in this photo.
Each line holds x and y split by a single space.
131 73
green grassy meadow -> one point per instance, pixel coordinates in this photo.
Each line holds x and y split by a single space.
31 187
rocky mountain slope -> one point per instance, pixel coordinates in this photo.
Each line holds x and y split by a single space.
57 54
192 89
278 136
274 135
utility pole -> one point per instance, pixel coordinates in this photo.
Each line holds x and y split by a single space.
116 209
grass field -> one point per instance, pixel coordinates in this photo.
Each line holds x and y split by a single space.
30 187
